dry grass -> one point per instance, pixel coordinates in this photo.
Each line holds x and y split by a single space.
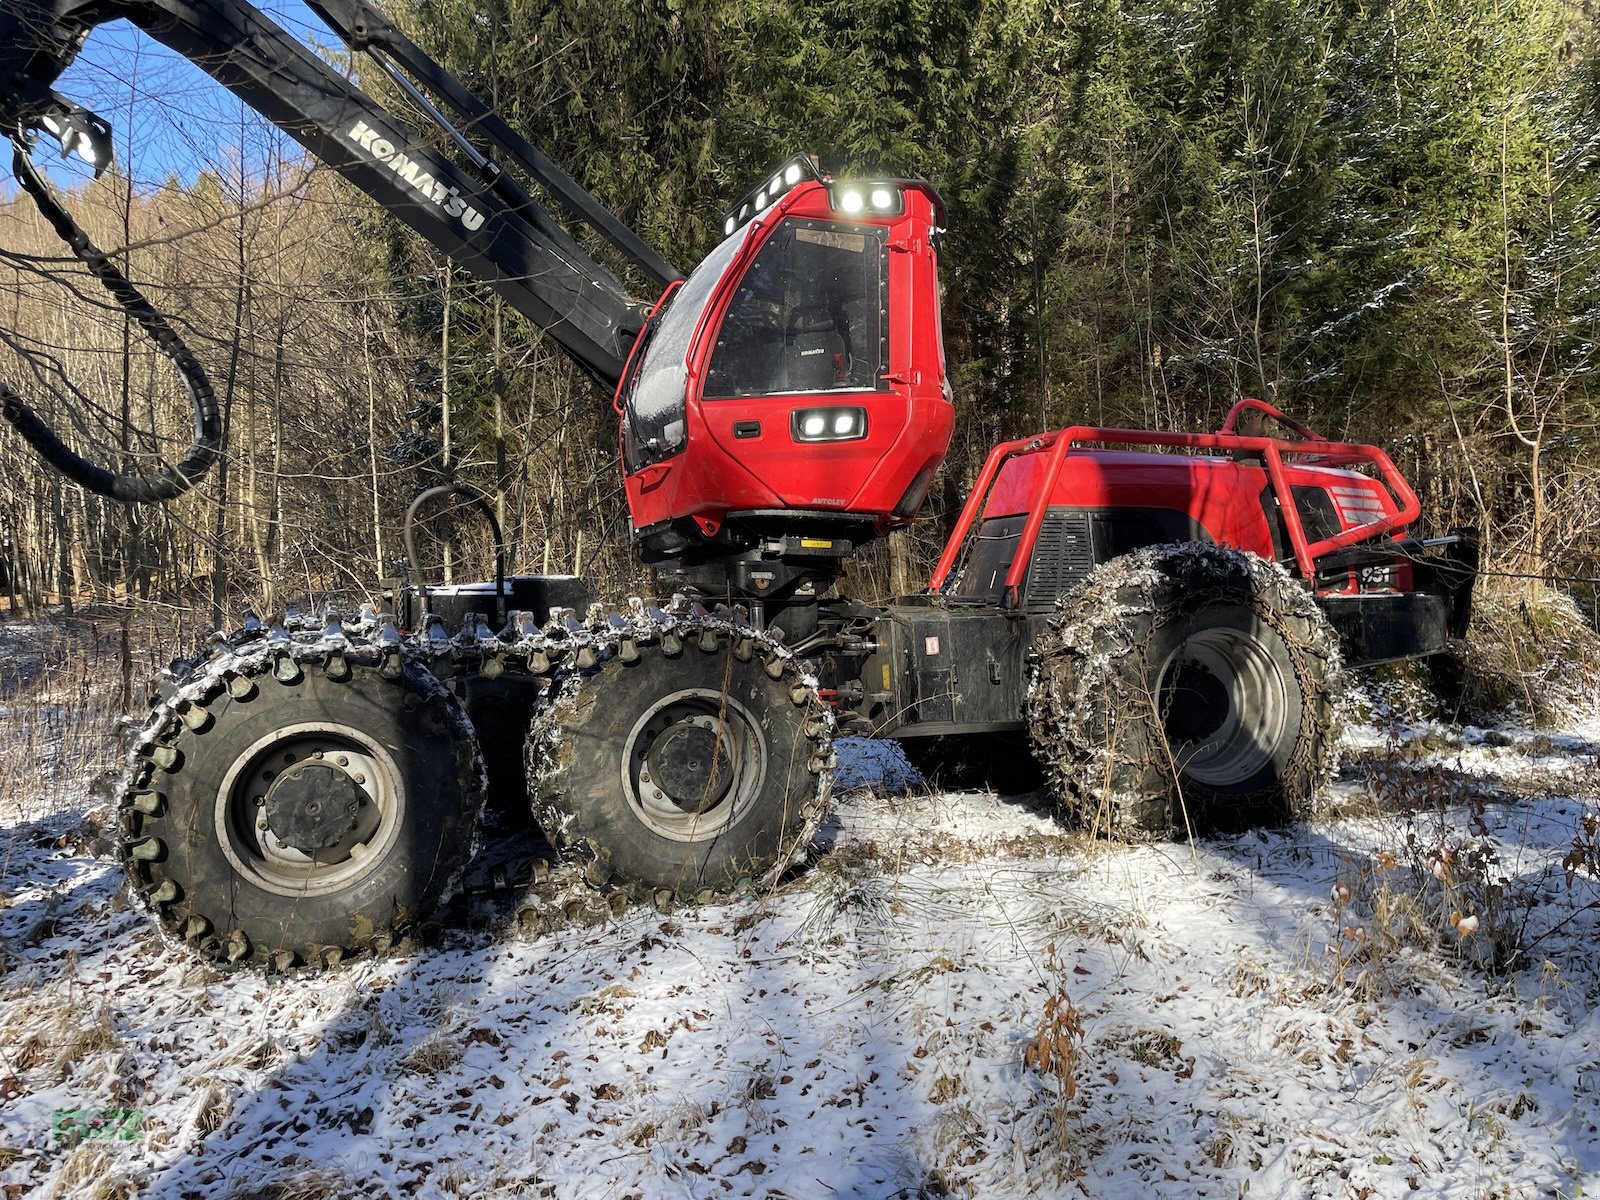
1539 658
49 1035
851 901
60 708
252 1052
212 1108
434 1055
90 1172
311 1183
1437 893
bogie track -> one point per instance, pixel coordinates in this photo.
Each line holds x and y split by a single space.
695 760
309 792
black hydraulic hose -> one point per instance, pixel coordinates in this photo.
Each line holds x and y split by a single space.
481 504
131 488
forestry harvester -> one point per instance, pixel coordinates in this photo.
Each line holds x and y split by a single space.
1162 615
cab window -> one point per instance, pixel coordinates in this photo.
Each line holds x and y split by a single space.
653 399
810 315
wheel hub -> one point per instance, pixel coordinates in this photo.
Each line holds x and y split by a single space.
691 764
312 805
1199 704
1228 710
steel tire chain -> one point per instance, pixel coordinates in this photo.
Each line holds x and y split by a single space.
562 894
692 629
1078 632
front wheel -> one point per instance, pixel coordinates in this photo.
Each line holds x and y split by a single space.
695 772
1183 689
302 810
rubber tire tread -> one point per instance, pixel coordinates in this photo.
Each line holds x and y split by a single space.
1100 738
414 717
575 775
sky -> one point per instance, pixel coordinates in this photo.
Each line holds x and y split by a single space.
168 117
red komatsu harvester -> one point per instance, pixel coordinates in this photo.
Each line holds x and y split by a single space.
1159 616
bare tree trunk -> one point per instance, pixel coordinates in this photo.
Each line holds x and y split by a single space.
219 527
501 468
444 407
902 568
372 438
58 512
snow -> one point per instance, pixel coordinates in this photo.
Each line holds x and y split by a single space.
1251 1019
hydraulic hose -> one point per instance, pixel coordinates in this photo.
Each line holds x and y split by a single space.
479 502
167 482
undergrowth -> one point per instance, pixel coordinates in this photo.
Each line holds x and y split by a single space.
1534 660
1440 889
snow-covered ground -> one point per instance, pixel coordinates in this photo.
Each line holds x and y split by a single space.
958 997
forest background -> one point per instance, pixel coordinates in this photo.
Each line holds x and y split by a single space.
1378 216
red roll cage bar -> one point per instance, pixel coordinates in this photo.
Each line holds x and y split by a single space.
1272 451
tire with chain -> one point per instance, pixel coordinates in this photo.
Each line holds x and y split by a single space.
301 805
696 763
1186 689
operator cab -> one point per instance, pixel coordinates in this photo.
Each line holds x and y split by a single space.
791 393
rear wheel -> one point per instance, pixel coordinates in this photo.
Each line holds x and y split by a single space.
1186 689
696 773
303 812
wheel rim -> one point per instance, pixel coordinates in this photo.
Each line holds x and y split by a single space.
1226 706
694 763
310 808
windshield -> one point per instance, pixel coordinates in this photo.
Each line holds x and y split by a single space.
810 315
654 403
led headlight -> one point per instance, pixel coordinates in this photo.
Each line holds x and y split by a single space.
832 424
877 199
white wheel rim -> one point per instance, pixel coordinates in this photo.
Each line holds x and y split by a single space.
260 856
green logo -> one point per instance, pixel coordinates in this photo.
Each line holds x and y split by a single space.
72 1125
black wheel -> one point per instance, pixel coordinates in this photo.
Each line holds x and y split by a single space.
1186 689
302 812
693 773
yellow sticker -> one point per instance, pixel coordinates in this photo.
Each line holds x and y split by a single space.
816 544
886 677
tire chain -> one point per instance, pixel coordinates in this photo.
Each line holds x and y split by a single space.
1077 634
560 894
705 633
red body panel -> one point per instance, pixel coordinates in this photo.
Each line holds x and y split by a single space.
909 423
1222 496
1225 487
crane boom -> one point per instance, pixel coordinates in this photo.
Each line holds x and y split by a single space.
462 202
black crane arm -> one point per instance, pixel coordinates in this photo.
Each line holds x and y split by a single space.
463 203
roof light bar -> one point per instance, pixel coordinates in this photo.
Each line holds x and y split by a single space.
770 191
